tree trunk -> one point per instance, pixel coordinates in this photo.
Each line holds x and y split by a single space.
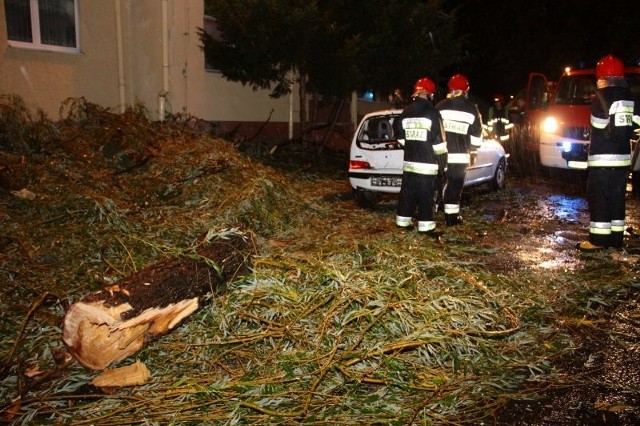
334 120
117 321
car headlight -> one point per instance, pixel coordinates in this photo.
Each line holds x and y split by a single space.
550 125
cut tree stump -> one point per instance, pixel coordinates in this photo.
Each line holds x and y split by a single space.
113 323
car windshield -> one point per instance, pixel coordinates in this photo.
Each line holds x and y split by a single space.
377 129
576 90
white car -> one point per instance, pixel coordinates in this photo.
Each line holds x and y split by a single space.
376 158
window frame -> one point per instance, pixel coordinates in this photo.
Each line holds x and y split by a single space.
37 44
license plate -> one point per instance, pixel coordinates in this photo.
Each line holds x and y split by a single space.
386 181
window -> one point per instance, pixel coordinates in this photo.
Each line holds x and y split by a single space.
576 90
43 24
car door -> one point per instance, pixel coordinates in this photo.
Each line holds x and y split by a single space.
483 162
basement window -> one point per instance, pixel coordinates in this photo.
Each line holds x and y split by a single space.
43 24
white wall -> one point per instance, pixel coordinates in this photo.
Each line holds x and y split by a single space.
45 79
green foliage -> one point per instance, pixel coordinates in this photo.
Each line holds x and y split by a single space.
338 46
21 129
342 320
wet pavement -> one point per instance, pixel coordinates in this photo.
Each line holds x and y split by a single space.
536 228
599 381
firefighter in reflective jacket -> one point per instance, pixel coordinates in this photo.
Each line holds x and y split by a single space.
463 128
613 116
498 125
420 131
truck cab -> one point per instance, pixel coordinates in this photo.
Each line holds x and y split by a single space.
564 121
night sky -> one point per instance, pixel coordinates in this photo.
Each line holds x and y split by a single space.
507 39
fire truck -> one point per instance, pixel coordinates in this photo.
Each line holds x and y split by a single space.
563 116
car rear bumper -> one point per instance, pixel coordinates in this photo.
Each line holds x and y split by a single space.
370 180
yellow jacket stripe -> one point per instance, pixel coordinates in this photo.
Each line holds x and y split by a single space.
420 168
458 158
599 123
609 160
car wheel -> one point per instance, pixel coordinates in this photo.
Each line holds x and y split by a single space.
500 176
365 198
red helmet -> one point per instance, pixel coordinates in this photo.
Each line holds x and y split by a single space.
459 82
425 84
498 98
609 66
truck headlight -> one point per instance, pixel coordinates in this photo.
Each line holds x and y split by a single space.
550 125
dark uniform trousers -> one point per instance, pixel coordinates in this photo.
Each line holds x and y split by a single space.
455 182
415 185
606 189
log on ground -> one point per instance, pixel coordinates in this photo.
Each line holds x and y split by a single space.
113 323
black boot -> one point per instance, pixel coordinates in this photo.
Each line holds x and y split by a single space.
452 219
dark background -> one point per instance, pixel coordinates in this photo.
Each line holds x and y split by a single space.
505 40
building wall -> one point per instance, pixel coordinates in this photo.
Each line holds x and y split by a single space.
45 79
160 65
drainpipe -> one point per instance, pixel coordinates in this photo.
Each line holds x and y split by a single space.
120 50
162 98
187 44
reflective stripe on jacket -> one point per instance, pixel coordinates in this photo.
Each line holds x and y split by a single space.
458 158
609 160
420 168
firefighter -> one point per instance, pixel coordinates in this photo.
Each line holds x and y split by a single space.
463 127
498 124
421 134
613 116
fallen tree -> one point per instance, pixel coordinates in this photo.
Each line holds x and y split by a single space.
113 323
